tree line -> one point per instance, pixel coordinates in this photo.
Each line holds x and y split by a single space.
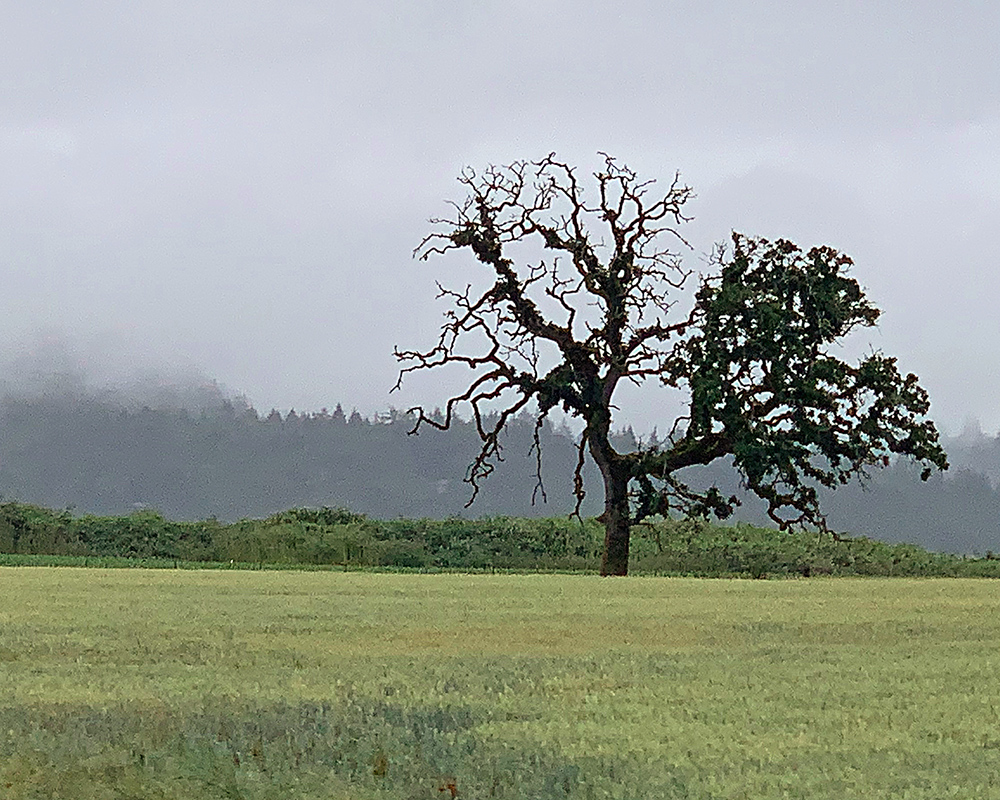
232 462
330 538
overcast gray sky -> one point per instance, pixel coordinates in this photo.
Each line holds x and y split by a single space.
235 188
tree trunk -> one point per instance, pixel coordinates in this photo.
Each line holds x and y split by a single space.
617 524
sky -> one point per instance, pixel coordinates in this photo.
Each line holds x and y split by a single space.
199 190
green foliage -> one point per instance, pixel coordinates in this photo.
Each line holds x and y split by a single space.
318 516
337 537
765 386
693 547
30 529
499 542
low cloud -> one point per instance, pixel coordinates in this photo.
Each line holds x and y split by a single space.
55 366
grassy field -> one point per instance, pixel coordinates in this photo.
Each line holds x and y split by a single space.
228 684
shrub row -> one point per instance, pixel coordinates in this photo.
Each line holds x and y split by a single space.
336 536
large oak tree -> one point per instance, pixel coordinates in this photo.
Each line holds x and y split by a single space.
596 304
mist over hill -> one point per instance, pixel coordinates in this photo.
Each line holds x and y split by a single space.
193 452
230 462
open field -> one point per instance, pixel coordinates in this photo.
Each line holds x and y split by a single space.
202 684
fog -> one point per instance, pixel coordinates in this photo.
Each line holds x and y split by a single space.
227 196
53 366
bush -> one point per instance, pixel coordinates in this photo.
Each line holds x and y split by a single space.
401 553
337 536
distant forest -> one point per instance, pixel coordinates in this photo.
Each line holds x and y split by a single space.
96 455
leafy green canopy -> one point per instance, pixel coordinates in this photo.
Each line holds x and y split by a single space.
765 388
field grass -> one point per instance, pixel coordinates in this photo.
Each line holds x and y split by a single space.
233 684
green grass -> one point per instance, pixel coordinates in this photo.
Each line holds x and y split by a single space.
239 684
131 562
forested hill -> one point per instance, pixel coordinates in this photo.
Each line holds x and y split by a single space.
230 462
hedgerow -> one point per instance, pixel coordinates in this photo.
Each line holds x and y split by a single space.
331 537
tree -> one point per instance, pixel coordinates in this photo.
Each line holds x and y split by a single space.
753 353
